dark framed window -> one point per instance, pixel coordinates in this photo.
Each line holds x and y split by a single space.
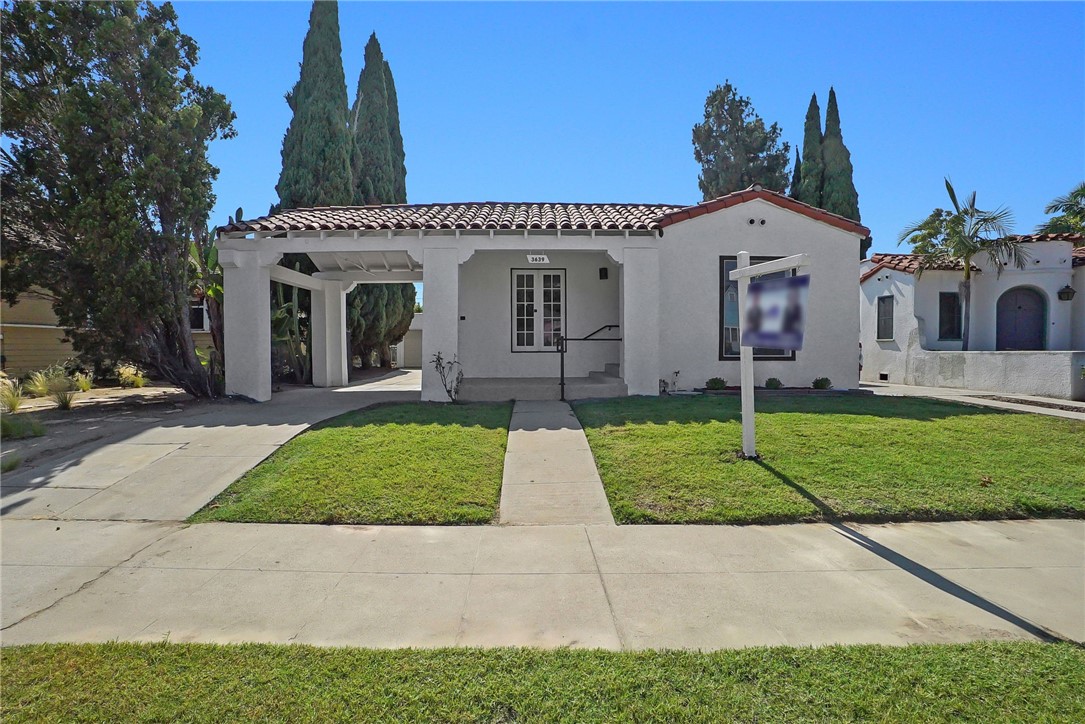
949 315
885 318
197 317
729 312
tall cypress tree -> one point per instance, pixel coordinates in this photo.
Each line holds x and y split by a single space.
399 158
316 147
813 168
371 158
379 314
796 175
838 193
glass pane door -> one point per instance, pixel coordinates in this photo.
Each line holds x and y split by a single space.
524 311
553 301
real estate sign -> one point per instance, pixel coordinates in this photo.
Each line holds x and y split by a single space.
775 313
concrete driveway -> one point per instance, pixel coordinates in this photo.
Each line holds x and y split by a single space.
94 549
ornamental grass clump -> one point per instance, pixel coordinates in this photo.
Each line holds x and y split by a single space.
11 395
82 381
130 376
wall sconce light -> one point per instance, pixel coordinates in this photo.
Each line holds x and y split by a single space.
1066 293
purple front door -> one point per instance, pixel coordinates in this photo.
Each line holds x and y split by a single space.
1021 316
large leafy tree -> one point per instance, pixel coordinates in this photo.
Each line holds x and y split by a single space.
379 314
813 167
106 180
952 238
317 145
1070 214
735 148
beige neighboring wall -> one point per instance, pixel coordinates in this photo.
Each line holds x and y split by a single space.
31 338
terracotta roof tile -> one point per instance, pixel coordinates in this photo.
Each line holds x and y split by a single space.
1077 256
1076 238
485 215
773 197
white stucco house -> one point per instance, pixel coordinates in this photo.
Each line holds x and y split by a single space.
1027 326
503 280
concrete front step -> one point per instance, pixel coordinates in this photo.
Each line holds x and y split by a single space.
495 389
613 369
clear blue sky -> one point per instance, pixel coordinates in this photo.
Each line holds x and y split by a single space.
595 102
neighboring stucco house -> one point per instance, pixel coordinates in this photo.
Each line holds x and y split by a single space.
30 338
1027 330
503 280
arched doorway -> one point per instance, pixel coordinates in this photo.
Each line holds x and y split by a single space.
1022 317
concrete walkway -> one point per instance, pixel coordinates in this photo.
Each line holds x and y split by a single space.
1022 403
615 587
550 476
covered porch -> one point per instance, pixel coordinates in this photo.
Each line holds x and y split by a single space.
497 298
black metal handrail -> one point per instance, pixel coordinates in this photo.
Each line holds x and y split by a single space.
562 348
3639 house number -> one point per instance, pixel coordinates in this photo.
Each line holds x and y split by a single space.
538 259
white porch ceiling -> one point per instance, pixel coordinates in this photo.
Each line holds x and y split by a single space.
373 261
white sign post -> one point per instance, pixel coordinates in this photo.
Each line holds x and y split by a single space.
742 274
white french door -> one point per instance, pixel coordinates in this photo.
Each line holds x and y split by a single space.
538 309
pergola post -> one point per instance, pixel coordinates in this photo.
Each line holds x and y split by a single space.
246 283
329 330
441 287
640 320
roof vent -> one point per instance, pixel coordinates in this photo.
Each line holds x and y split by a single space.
757 187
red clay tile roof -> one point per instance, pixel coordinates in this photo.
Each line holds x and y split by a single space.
519 216
908 263
1077 239
1077 256
773 197
483 215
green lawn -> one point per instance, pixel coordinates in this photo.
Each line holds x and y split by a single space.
199 682
674 460
411 463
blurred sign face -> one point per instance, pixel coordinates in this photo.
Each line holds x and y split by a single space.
775 313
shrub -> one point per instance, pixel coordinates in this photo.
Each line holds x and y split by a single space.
130 376
823 383
773 383
10 463
82 381
11 395
14 428
716 383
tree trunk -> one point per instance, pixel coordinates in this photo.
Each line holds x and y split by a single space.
965 290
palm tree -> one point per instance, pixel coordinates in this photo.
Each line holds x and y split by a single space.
948 239
1071 210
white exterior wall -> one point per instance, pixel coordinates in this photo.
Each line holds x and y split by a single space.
1048 270
485 302
886 357
1077 310
690 295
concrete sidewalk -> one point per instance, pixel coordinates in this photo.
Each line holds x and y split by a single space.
550 476
627 587
1023 403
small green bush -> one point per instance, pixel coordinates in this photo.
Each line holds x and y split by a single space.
716 383
130 376
11 395
773 383
10 463
64 397
12 428
83 381
823 383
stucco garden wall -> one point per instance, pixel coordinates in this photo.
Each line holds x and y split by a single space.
689 291
1047 374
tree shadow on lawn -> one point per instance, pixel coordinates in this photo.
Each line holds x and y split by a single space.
911 566
661 411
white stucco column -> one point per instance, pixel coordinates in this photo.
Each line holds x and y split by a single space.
246 284
640 320
441 289
329 329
